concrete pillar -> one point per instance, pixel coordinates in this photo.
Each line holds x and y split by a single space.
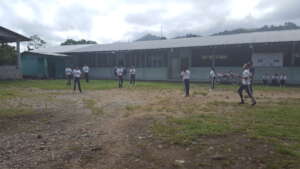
213 63
19 58
293 54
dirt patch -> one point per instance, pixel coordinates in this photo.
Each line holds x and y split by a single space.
65 131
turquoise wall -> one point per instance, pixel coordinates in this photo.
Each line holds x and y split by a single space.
59 66
40 66
33 66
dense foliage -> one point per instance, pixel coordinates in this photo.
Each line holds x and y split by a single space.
8 55
285 26
79 42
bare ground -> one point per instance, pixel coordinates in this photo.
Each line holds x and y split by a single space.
111 129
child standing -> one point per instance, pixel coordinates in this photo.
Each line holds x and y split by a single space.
120 73
68 72
212 77
76 75
132 73
86 71
185 75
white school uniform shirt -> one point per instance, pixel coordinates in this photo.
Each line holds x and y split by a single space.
281 77
185 74
120 71
132 71
85 69
277 77
246 77
284 77
68 71
212 74
77 73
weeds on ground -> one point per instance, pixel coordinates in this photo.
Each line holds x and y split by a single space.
276 123
92 105
15 112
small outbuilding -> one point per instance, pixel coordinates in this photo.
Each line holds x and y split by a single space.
11 71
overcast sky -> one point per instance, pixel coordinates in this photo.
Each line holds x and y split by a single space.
107 21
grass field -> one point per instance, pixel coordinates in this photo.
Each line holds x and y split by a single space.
151 124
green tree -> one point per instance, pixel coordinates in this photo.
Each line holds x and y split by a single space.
79 42
35 43
8 55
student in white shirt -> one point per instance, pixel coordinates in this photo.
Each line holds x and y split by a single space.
185 75
76 75
274 79
245 85
283 78
265 79
120 73
68 73
86 71
132 73
277 76
212 77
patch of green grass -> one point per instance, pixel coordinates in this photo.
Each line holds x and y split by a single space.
10 93
200 92
15 112
277 123
110 84
132 107
185 130
92 105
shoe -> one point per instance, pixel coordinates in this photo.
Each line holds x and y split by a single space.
253 104
241 102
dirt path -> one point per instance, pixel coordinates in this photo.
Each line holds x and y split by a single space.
96 129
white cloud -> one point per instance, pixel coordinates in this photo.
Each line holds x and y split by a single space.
122 20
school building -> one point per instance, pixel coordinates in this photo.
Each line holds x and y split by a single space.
271 52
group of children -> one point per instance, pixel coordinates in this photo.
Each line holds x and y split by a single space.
75 73
246 81
277 79
121 71
246 78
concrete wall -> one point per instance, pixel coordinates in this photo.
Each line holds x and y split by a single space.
158 73
202 73
10 72
199 74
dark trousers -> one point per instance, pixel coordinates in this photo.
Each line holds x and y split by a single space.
282 83
187 86
265 82
248 90
212 82
77 82
275 82
120 81
86 76
251 87
69 77
132 79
